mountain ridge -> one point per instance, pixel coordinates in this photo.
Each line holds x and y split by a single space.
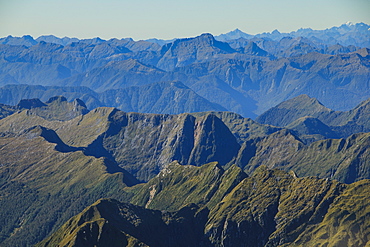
215 165
158 97
144 144
193 169
247 77
319 201
336 33
334 123
234 34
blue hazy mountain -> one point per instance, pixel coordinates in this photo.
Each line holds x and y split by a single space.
347 34
162 97
247 75
236 34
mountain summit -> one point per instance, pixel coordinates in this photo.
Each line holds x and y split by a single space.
236 34
183 52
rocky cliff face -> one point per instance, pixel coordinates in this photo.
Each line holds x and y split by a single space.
183 137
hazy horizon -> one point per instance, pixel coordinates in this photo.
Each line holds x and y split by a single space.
166 19
35 37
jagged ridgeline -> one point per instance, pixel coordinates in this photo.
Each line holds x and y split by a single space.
143 144
270 208
152 142
246 74
209 177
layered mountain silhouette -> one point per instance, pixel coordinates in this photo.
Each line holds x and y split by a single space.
247 75
162 97
152 143
303 113
347 34
56 108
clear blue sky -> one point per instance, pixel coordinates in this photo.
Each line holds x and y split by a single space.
166 19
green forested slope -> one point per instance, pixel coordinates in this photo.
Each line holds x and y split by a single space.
42 187
270 208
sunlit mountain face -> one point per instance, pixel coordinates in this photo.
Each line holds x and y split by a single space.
229 140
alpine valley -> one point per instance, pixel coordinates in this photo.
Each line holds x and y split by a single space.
229 140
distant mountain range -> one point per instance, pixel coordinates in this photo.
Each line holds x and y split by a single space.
160 97
243 74
347 34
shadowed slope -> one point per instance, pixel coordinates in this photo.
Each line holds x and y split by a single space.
41 187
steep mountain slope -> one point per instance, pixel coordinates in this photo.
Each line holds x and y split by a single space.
162 97
262 211
44 182
178 185
207 174
342 124
289 111
115 75
56 108
182 137
268 151
359 115
111 223
151 98
346 160
104 149
310 129
6 110
13 93
242 128
253 49
143 144
266 83
271 208
186 51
